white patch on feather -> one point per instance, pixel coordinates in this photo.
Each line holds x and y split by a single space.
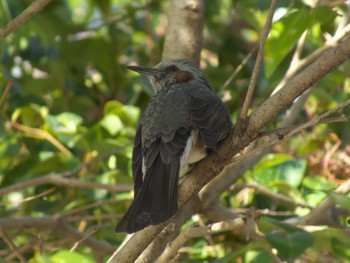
143 169
191 154
189 145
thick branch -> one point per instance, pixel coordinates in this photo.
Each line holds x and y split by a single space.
329 61
184 37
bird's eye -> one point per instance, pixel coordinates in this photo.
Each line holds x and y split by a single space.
172 68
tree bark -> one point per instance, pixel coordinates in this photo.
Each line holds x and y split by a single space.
184 37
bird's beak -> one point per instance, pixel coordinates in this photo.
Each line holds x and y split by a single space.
143 70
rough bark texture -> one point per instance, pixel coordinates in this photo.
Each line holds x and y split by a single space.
184 35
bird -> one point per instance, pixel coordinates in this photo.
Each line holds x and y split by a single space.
182 123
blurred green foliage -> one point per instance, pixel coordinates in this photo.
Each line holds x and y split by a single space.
73 101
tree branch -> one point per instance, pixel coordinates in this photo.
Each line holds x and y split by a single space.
41 134
59 225
252 85
12 246
59 179
327 62
236 225
34 8
184 37
6 91
278 197
322 208
213 164
246 226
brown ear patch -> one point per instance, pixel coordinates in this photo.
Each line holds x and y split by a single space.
183 76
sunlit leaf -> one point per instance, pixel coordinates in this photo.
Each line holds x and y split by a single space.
65 256
112 124
284 34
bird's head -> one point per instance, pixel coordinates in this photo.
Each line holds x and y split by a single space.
170 72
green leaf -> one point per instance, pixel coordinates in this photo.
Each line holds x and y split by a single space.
271 160
112 124
284 34
333 240
127 113
240 251
65 256
281 224
293 171
281 168
287 31
318 183
341 249
66 122
323 14
70 121
256 256
290 245
287 189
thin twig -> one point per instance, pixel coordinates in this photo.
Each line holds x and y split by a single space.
291 132
88 233
58 179
172 248
238 69
319 211
77 210
300 64
18 202
247 226
294 64
92 218
12 246
59 225
6 91
279 197
256 71
34 8
29 246
87 163
284 130
318 119
276 213
41 134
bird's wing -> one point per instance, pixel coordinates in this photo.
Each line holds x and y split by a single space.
210 116
137 175
137 160
155 197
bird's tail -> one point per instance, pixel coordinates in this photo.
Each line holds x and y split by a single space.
156 201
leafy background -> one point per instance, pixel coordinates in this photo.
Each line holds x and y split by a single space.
73 101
